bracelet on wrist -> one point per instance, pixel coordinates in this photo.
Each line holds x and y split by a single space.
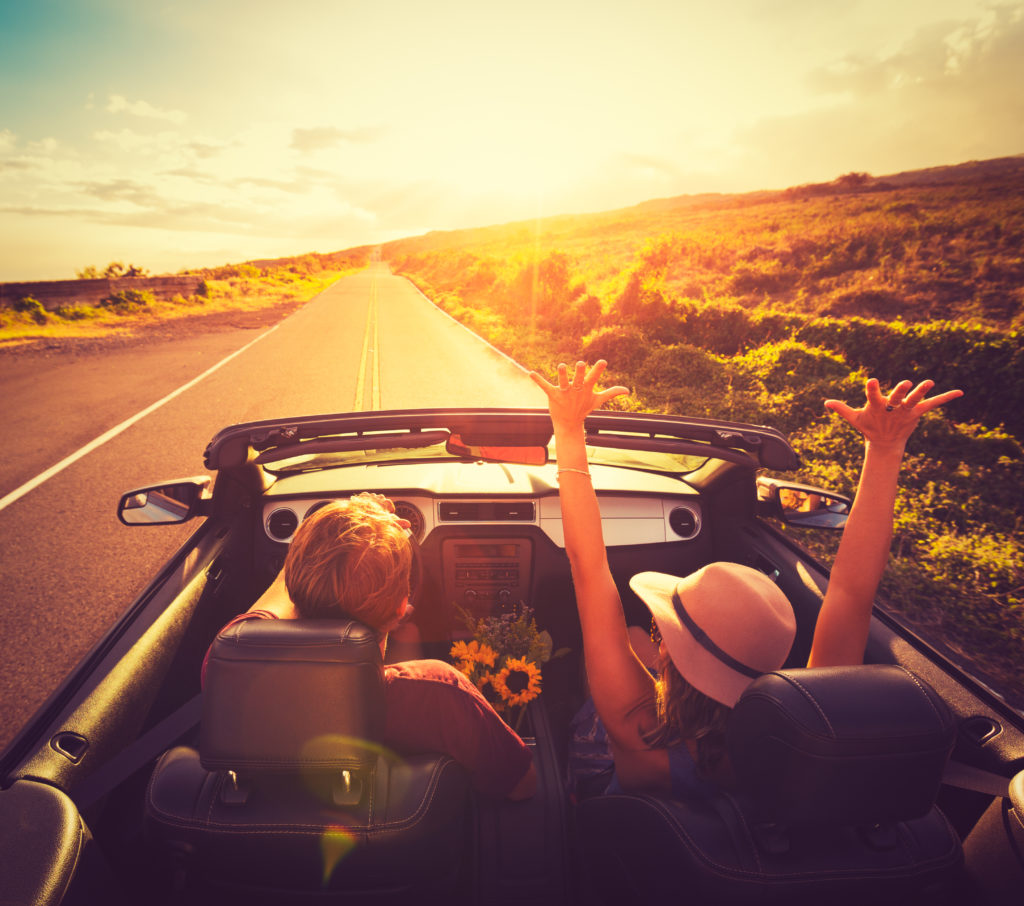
577 471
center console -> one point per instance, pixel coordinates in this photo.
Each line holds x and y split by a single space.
484 575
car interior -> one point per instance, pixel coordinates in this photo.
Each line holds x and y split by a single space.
144 787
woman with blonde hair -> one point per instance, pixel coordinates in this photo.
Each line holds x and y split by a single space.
725 624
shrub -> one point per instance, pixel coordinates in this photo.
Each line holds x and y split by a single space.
624 346
685 380
75 312
32 307
128 301
798 379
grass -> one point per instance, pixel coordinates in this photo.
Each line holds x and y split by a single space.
231 288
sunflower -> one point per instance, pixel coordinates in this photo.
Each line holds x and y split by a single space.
518 682
465 651
490 692
486 655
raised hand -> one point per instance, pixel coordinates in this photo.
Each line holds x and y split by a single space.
575 398
890 420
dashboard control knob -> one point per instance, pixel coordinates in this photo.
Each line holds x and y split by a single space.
505 595
470 594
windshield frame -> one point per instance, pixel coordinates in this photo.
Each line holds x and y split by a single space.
417 430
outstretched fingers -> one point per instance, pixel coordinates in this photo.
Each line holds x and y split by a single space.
898 394
918 393
581 378
847 413
873 392
940 400
891 418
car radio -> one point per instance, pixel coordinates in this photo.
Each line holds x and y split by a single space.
484 572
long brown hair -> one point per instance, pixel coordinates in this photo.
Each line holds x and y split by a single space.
685 713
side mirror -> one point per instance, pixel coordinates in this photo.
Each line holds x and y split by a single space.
527 456
164 504
801 505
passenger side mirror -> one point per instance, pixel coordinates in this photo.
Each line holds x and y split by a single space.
801 505
164 504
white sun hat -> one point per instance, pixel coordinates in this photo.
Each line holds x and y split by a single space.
723 625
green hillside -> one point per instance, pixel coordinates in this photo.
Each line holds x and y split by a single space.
757 307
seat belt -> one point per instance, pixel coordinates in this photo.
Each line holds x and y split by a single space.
966 777
154 742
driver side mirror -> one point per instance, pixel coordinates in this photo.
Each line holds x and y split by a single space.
164 504
801 505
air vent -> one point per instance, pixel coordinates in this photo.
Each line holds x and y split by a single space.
465 511
684 522
512 511
486 511
281 524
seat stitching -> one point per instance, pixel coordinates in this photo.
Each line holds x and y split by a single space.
924 692
814 702
680 832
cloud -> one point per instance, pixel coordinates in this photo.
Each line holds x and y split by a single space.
122 189
118 103
950 94
323 137
32 155
205 150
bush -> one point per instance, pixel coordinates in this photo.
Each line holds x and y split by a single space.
75 312
32 307
685 380
128 301
797 379
625 347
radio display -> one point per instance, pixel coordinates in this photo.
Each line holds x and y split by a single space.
487 551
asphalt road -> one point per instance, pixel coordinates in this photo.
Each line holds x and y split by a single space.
67 565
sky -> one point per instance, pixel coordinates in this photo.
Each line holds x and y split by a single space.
202 132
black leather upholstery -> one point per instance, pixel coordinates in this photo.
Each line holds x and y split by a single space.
285 693
291 789
837 772
840 746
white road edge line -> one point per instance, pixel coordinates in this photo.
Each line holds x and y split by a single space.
34 483
468 330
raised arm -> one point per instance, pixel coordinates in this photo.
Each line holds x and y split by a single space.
841 633
623 690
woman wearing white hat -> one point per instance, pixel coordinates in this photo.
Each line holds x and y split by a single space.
725 624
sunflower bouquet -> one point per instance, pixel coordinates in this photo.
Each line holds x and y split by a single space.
504 658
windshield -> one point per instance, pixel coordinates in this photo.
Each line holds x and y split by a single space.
669 463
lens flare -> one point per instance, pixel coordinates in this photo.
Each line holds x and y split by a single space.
335 844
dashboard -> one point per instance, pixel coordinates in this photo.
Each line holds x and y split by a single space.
625 520
481 551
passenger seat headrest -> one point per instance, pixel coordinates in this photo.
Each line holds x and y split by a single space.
840 745
283 695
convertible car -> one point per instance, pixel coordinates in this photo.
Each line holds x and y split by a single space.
897 781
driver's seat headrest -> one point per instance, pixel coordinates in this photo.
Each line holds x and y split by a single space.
287 695
840 745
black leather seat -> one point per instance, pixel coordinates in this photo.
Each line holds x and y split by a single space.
291 792
837 772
